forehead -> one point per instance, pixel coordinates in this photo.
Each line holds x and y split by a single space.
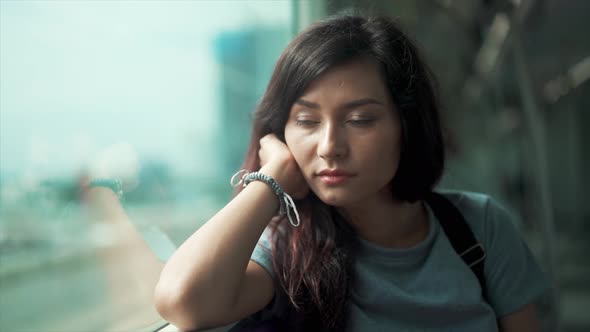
361 77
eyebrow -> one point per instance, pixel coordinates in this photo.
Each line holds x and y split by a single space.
348 105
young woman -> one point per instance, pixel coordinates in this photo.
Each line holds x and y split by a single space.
349 128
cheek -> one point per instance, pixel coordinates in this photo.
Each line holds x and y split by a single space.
382 158
300 152
300 142
382 145
291 139
297 145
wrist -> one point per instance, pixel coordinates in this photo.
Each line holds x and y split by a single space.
102 188
271 199
113 184
279 172
287 205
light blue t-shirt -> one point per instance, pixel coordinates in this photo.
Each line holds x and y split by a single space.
428 287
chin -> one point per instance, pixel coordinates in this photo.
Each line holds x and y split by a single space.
335 199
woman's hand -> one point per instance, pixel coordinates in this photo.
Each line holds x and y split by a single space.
277 161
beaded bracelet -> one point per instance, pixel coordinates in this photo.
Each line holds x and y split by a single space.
114 184
286 202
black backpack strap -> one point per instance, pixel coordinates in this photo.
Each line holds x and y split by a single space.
460 235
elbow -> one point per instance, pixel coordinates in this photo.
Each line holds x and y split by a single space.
172 303
185 307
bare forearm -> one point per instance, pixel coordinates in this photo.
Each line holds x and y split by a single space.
205 273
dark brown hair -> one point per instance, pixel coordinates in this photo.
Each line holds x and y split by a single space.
314 262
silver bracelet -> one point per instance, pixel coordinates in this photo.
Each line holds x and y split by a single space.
286 202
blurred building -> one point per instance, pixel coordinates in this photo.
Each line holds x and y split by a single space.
246 59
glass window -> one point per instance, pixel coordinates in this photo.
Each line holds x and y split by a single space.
155 93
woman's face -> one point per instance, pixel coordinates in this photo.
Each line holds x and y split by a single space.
344 132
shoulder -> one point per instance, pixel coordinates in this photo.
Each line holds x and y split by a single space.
513 277
467 201
484 214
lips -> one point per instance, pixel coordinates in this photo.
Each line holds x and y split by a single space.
334 177
333 172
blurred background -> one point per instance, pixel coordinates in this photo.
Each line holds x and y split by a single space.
160 94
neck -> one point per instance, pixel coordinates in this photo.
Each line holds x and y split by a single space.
389 223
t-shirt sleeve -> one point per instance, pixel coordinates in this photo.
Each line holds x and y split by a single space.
514 278
262 255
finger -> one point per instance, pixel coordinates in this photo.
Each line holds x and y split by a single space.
266 138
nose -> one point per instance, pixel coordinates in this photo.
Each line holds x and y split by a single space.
332 142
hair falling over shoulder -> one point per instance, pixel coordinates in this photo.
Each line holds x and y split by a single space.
315 264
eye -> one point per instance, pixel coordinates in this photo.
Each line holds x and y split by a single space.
361 122
306 122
